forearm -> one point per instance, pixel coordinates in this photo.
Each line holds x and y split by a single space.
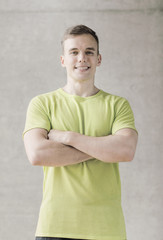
51 153
42 151
113 148
117 148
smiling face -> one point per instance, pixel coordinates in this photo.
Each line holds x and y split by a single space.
80 57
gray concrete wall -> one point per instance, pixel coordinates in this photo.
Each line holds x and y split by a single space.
131 37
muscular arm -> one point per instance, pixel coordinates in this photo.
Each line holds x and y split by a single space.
113 148
42 151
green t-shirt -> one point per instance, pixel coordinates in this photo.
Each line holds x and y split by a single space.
81 200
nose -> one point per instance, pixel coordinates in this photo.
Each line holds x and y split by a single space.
82 57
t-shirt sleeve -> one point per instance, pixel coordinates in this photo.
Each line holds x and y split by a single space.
37 115
124 117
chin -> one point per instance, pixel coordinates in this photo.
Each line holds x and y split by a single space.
82 78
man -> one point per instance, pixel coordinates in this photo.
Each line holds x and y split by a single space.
79 134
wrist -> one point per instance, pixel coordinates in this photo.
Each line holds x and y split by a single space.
72 138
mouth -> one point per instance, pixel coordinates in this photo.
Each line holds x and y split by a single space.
82 68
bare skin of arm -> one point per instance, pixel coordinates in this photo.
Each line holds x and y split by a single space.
113 148
42 151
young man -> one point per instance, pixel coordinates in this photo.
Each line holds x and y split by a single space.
79 134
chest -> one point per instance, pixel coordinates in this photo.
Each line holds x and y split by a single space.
89 118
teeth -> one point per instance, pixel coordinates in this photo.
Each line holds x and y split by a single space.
82 68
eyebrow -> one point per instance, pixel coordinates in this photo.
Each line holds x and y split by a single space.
72 49
89 48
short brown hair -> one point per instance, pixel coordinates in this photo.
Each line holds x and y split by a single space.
79 30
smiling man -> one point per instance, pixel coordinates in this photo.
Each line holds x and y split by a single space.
81 61
79 134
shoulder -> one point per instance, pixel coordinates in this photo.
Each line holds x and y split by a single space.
113 99
44 99
117 104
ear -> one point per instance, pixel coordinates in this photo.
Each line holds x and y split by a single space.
99 59
62 61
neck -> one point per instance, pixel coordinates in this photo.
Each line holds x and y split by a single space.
83 89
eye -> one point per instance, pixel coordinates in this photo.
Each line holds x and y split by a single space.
89 53
74 53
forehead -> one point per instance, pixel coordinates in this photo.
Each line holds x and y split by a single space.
80 42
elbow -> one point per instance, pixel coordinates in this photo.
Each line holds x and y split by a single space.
129 155
131 149
128 159
34 162
34 159
132 157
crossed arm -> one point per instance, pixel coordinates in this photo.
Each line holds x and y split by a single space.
62 148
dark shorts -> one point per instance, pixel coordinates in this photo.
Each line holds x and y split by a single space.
54 238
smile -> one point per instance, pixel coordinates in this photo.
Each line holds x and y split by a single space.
82 68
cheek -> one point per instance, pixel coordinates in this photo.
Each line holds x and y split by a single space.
70 61
94 63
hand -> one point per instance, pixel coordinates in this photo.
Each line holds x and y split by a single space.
59 136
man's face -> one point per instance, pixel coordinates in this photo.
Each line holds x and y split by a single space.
80 57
